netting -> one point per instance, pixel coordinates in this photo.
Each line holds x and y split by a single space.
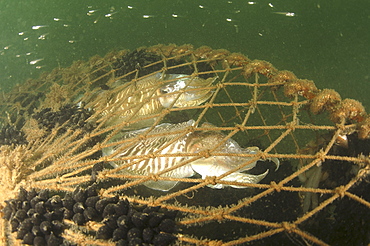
135 125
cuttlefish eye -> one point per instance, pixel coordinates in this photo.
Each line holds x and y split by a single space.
168 89
164 90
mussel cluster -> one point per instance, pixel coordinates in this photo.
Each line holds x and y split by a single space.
37 218
68 117
11 135
139 60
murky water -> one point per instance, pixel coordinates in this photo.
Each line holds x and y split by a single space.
326 41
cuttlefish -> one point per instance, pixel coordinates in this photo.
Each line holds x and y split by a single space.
136 101
171 145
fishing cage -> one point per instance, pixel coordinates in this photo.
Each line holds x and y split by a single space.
55 130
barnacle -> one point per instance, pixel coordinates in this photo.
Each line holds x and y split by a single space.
348 110
236 59
262 67
203 52
327 99
364 129
179 50
283 76
301 87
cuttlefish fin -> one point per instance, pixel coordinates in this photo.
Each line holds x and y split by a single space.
160 185
207 125
241 178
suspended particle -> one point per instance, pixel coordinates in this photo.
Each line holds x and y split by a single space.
42 36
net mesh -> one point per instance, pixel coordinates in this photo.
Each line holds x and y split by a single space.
56 128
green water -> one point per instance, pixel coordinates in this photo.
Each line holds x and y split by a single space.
327 41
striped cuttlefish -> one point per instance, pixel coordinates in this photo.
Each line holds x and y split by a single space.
173 146
137 100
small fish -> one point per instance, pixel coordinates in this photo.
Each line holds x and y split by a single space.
288 14
36 61
149 95
38 27
169 139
